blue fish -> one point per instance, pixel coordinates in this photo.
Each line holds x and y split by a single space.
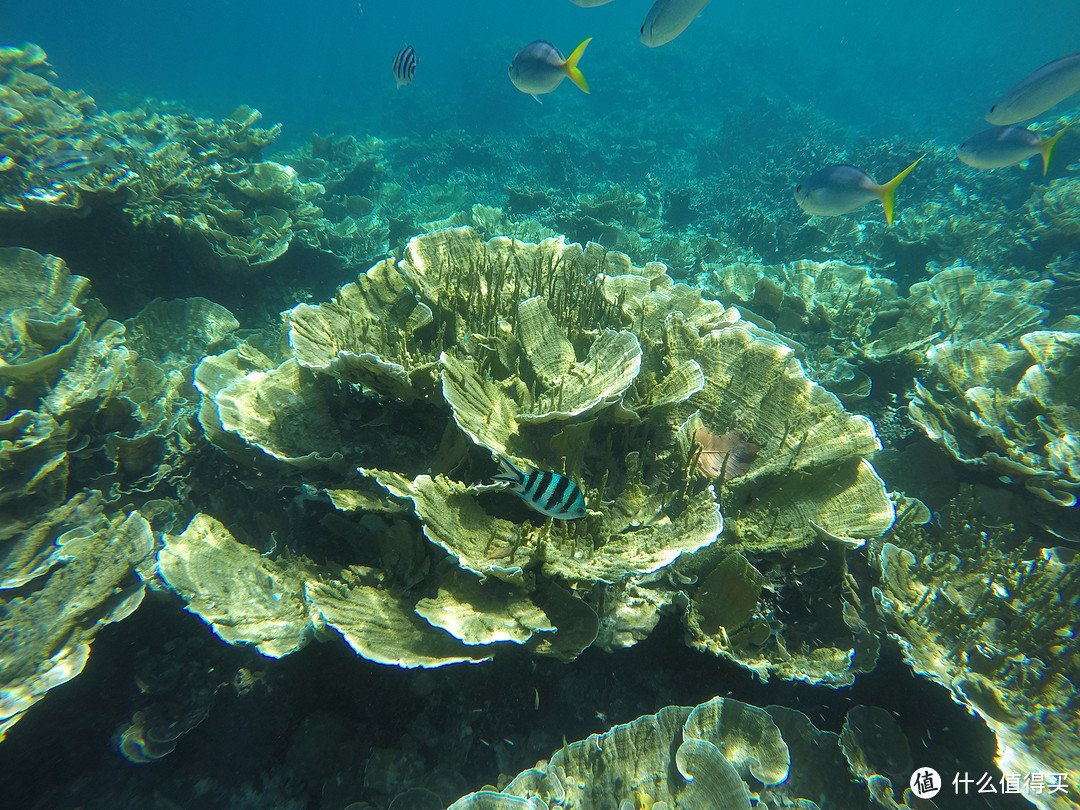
842 188
1006 146
549 493
539 67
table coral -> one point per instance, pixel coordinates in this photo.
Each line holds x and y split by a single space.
720 754
959 304
518 350
1011 411
990 617
829 309
165 170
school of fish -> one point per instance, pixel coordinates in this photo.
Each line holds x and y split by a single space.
841 189
836 189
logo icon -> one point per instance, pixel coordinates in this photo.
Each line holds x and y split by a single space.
925 783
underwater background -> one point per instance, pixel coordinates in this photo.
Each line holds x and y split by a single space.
219 425
921 69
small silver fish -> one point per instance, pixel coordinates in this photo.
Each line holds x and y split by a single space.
539 67
549 493
842 188
1006 146
1049 85
589 3
669 18
405 66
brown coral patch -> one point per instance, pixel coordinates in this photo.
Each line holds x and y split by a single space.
729 455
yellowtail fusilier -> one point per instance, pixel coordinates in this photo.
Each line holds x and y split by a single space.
405 66
1049 85
539 67
841 189
549 493
1006 146
669 18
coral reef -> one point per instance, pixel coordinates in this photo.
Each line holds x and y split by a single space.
325 475
522 351
829 310
1012 411
1053 208
165 170
92 578
959 305
990 618
90 429
721 753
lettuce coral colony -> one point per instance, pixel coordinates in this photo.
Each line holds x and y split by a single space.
749 438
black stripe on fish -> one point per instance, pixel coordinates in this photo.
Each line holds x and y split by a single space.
405 65
537 488
548 502
559 495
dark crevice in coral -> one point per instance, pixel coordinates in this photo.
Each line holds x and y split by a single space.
306 725
129 267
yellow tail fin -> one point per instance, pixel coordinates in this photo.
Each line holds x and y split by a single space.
1047 146
887 191
572 71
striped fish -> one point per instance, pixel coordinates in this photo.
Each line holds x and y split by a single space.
549 493
405 66
67 163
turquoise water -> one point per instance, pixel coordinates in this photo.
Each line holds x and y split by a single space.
916 67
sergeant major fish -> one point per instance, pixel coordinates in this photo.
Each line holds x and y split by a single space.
841 189
405 66
549 493
1006 146
539 67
